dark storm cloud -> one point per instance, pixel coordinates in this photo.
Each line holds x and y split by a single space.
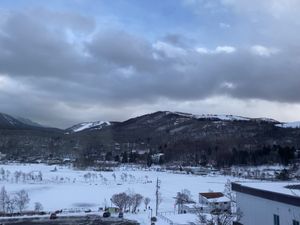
63 61
30 48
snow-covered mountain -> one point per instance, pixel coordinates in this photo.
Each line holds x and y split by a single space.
8 121
97 125
223 117
289 125
178 135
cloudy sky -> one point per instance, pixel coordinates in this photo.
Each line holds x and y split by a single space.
68 61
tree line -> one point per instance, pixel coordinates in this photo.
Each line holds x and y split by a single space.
129 202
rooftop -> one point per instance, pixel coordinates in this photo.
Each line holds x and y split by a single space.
284 192
215 196
288 188
209 195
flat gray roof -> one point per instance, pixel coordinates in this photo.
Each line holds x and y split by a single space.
291 199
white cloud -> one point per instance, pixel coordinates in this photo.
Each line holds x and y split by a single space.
263 51
218 50
203 50
9 85
225 49
224 25
228 85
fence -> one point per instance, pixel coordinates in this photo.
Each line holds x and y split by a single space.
162 215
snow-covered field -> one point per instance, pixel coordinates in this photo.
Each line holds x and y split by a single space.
65 188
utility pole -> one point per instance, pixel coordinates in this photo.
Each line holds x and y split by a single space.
158 182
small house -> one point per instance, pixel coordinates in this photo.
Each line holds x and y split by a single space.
209 202
214 202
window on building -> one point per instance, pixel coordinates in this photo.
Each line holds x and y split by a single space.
276 220
295 222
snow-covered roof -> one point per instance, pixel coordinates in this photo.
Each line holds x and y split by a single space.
278 187
209 195
215 196
284 192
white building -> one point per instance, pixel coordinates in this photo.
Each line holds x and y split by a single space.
215 201
209 202
268 203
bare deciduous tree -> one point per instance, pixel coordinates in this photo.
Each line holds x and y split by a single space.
17 176
3 199
22 200
136 201
38 206
146 202
218 218
11 204
183 197
120 200
127 201
40 176
114 176
228 192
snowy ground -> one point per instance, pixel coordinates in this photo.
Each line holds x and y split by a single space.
67 188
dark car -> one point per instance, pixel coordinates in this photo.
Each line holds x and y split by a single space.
121 215
153 219
106 214
53 216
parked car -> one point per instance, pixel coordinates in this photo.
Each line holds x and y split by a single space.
106 214
121 215
153 219
53 216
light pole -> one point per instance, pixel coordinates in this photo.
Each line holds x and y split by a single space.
158 182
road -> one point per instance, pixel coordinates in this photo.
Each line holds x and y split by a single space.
74 220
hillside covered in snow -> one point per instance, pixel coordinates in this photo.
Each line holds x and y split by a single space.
207 138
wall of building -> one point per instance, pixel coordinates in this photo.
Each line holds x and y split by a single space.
203 200
214 204
260 211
